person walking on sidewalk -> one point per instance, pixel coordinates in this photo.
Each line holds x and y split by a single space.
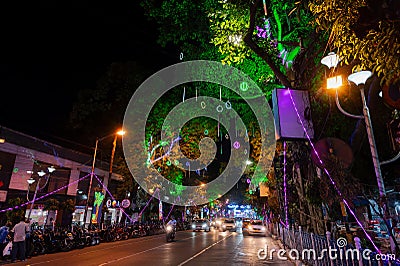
18 248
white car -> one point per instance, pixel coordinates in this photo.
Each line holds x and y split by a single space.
201 224
227 224
257 227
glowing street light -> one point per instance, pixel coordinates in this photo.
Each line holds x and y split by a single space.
360 78
120 132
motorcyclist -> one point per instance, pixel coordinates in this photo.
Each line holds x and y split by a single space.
171 233
172 222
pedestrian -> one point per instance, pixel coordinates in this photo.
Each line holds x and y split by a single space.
28 239
4 231
18 247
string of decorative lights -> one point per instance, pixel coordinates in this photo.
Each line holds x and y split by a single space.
112 197
330 177
44 196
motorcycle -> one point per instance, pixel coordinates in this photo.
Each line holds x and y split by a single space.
170 230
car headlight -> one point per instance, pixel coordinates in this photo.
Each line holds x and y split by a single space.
218 222
262 228
193 226
224 226
250 227
204 226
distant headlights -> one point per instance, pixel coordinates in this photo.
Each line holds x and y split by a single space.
193 226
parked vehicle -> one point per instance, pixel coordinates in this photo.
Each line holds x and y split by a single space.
201 224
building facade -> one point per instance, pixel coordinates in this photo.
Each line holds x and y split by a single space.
25 158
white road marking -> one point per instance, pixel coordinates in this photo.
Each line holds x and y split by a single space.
204 250
137 253
102 249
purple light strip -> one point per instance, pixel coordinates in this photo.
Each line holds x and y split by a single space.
284 185
328 174
44 196
112 197
168 152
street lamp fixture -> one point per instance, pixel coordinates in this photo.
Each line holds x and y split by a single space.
30 181
331 60
360 78
120 132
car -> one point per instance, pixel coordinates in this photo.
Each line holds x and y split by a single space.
227 224
201 224
257 227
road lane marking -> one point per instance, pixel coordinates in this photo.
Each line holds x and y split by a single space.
137 253
102 249
204 250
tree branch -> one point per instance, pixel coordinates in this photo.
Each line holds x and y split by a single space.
248 39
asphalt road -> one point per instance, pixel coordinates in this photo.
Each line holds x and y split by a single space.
189 248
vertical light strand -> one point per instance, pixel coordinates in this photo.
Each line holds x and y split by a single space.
285 186
184 92
329 176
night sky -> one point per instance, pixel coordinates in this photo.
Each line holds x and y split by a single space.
52 49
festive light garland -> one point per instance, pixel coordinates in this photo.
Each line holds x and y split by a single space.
329 176
44 196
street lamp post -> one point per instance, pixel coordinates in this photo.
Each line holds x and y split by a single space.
359 78
119 133
30 181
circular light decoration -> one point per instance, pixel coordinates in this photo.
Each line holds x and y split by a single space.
206 132
245 151
148 94
228 105
236 144
220 109
176 162
125 203
181 56
244 86
15 170
188 164
248 181
226 136
203 105
169 163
